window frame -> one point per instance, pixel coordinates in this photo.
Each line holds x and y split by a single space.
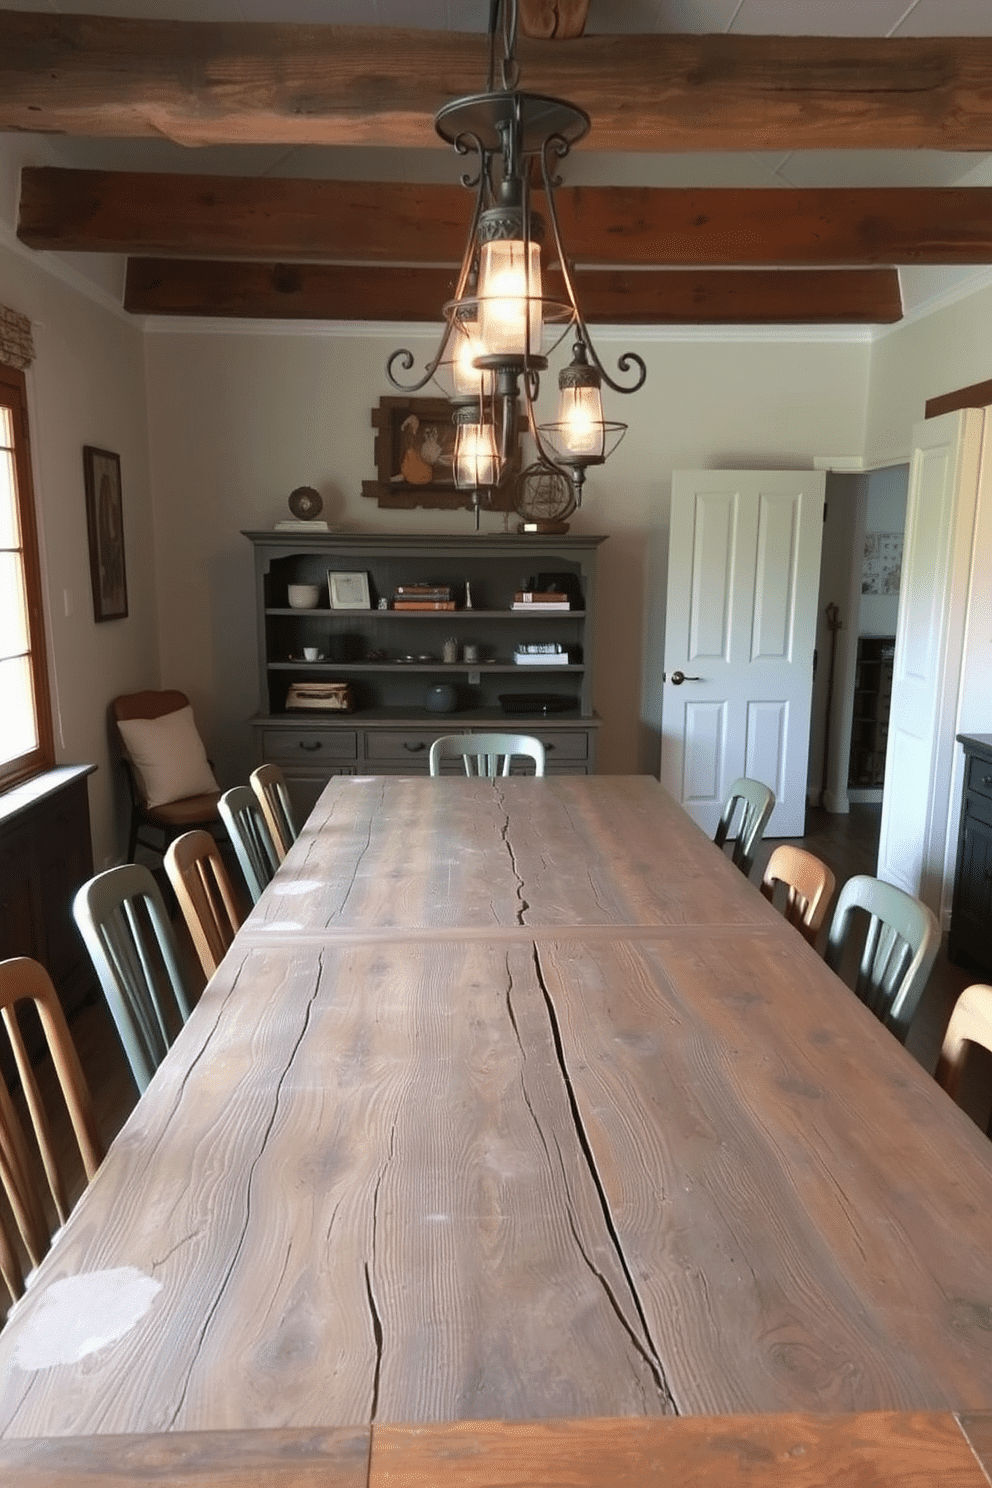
13 395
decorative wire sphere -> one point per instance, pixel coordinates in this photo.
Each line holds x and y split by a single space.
544 494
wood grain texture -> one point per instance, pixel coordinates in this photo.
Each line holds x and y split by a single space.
387 853
156 286
777 1172
791 1451
343 1153
213 83
204 1459
286 219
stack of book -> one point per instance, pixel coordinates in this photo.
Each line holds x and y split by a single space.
546 653
423 597
535 599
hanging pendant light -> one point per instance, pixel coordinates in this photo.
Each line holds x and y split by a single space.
501 327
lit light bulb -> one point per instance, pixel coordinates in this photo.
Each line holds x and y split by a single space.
580 418
510 298
476 460
468 378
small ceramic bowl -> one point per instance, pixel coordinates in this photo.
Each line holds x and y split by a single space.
303 596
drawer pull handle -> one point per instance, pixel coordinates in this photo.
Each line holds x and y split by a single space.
310 747
413 748
987 779
548 748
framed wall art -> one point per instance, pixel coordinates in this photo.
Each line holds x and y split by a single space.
348 591
105 526
414 450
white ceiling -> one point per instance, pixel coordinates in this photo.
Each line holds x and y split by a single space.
586 165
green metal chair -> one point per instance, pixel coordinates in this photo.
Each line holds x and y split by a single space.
125 927
901 940
757 804
486 754
242 815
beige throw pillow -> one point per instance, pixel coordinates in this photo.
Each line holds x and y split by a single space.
169 757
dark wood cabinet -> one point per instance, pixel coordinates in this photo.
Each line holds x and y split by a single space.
45 854
970 941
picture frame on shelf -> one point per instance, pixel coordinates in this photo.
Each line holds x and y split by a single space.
105 528
348 591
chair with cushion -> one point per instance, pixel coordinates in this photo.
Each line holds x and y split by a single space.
486 754
251 839
970 1024
36 1183
757 803
269 785
808 883
205 896
125 928
172 784
901 939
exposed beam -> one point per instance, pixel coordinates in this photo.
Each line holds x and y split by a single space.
252 217
616 297
210 83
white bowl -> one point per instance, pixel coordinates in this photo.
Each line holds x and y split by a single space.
303 596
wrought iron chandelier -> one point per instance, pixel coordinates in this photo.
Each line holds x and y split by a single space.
501 327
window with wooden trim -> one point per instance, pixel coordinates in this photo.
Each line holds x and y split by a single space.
25 708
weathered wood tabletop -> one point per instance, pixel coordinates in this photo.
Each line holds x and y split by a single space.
630 1168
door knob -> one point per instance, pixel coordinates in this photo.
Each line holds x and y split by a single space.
679 677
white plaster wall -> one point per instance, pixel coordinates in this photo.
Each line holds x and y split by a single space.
238 420
86 387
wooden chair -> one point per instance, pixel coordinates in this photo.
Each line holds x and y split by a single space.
901 941
30 1171
126 930
205 896
809 885
165 821
757 803
486 754
269 785
248 830
970 1023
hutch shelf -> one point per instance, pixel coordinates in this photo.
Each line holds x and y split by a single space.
392 659
970 943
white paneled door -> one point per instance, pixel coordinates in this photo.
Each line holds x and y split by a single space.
743 581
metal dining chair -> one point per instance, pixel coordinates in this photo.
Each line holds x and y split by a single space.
486 754
757 803
901 940
205 896
970 1023
242 815
33 1179
125 928
269 784
808 883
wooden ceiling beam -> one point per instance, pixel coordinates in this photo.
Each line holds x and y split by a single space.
203 83
615 297
288 219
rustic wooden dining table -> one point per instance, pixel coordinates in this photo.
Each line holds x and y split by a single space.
515 1101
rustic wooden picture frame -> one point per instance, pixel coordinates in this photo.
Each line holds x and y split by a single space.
405 427
105 527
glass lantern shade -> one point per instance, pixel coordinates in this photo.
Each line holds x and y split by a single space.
476 460
580 422
468 379
510 298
